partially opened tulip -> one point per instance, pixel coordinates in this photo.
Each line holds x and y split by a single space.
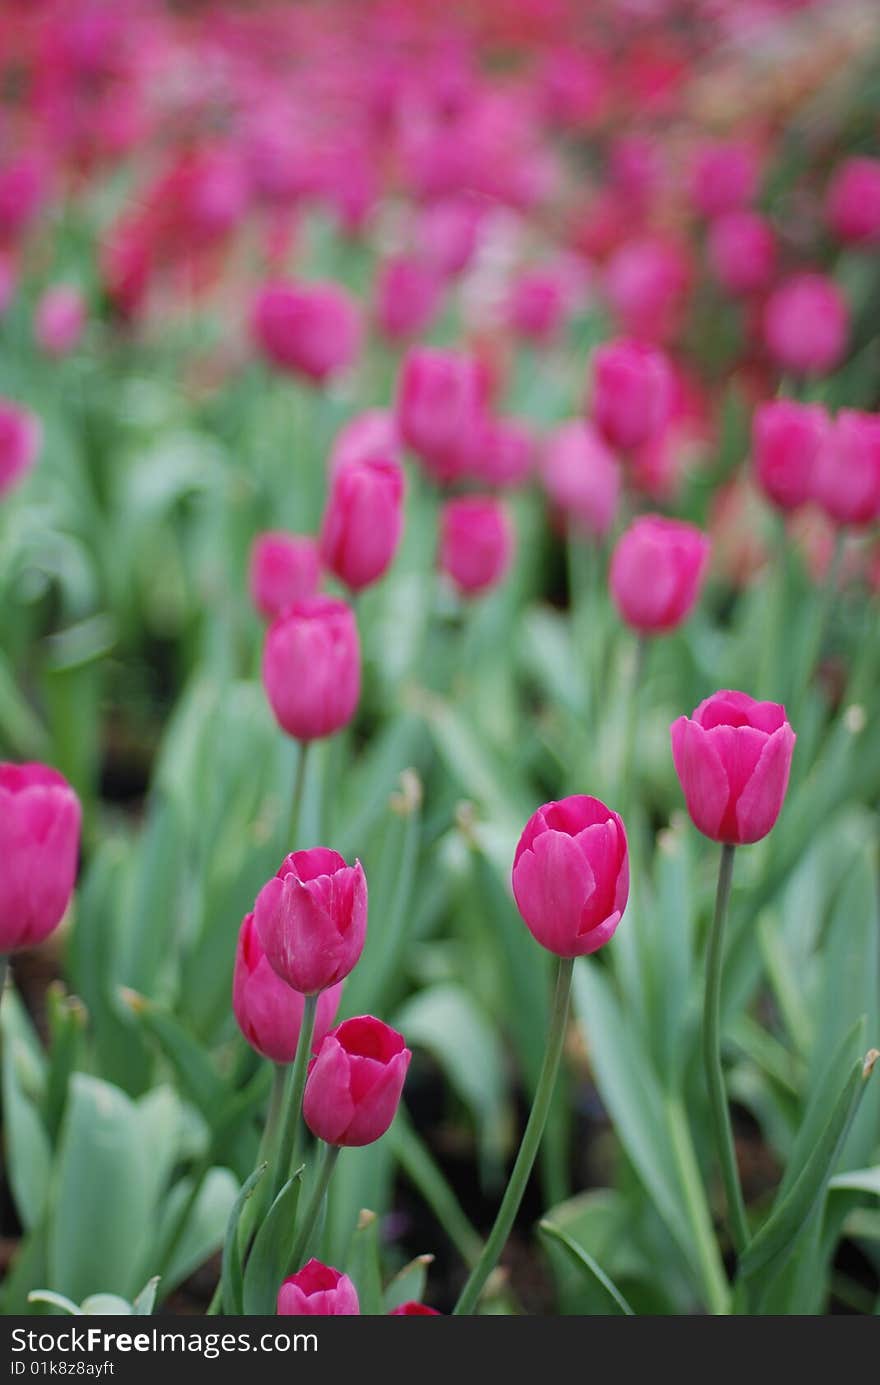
311 919
582 478
408 294
318 1291
657 571
476 543
366 437
504 454
632 392
308 329
363 521
440 406
852 204
354 1084
283 569
20 437
268 1011
788 439
806 324
40 820
846 481
312 667
742 252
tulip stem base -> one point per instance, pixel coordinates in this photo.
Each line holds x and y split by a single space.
530 1142
313 1210
722 1130
290 1142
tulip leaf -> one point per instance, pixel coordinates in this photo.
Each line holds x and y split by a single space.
205 1225
232 1275
364 1265
858 1181
27 1148
408 1285
143 1303
613 1300
195 1070
267 1263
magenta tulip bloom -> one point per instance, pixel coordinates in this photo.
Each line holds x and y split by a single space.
647 283
847 476
657 571
408 293
538 306
21 434
366 437
852 206
414 1310
60 319
363 521
311 919
476 543
806 324
571 875
318 1291
724 178
440 406
39 848
284 568
742 252
307 329
268 1011
733 759
354 1085
787 441
505 453
582 477
632 392
312 667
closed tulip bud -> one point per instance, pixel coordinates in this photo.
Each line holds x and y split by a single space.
582 478
284 568
414 1310
657 571
571 875
318 1291
733 759
363 521
268 1011
632 392
39 847
408 293
307 329
60 319
647 283
538 305
742 252
806 325
504 454
847 477
312 667
21 434
788 439
724 179
366 437
354 1085
440 406
852 207
311 919
476 543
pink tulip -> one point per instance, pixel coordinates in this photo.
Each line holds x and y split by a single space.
21 435
582 477
60 319
447 233
657 571
370 435
476 542
307 329
742 252
632 392
647 283
724 179
414 1310
39 847
504 454
852 206
538 305
312 667
806 324
440 407
733 760
788 439
318 1291
284 568
571 875
847 474
268 1011
363 521
408 295
354 1085
311 919
22 194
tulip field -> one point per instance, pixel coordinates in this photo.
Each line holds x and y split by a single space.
439 717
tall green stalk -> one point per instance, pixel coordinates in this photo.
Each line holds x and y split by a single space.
309 1219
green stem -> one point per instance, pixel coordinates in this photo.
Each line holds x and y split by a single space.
824 609
530 1142
299 783
721 1127
257 1205
631 729
288 1147
312 1212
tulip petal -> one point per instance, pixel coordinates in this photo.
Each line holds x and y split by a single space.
551 883
328 1108
761 799
702 775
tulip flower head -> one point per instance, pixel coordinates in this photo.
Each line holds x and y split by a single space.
311 919
318 1291
742 252
312 667
284 568
657 572
363 521
806 324
354 1084
632 392
308 329
852 206
788 439
414 1310
571 875
733 759
268 1011
39 847
847 475
20 438
440 406
60 319
582 477
476 543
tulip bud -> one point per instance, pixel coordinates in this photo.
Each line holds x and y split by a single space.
21 434
647 283
742 252
504 454
538 305
582 477
312 667
366 437
733 760
476 543
657 570
39 846
363 521
307 329
414 1310
60 319
724 179
787 441
284 568
407 297
318 1291
311 919
852 206
440 405
571 875
806 324
632 392
354 1085
847 475
268 1011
